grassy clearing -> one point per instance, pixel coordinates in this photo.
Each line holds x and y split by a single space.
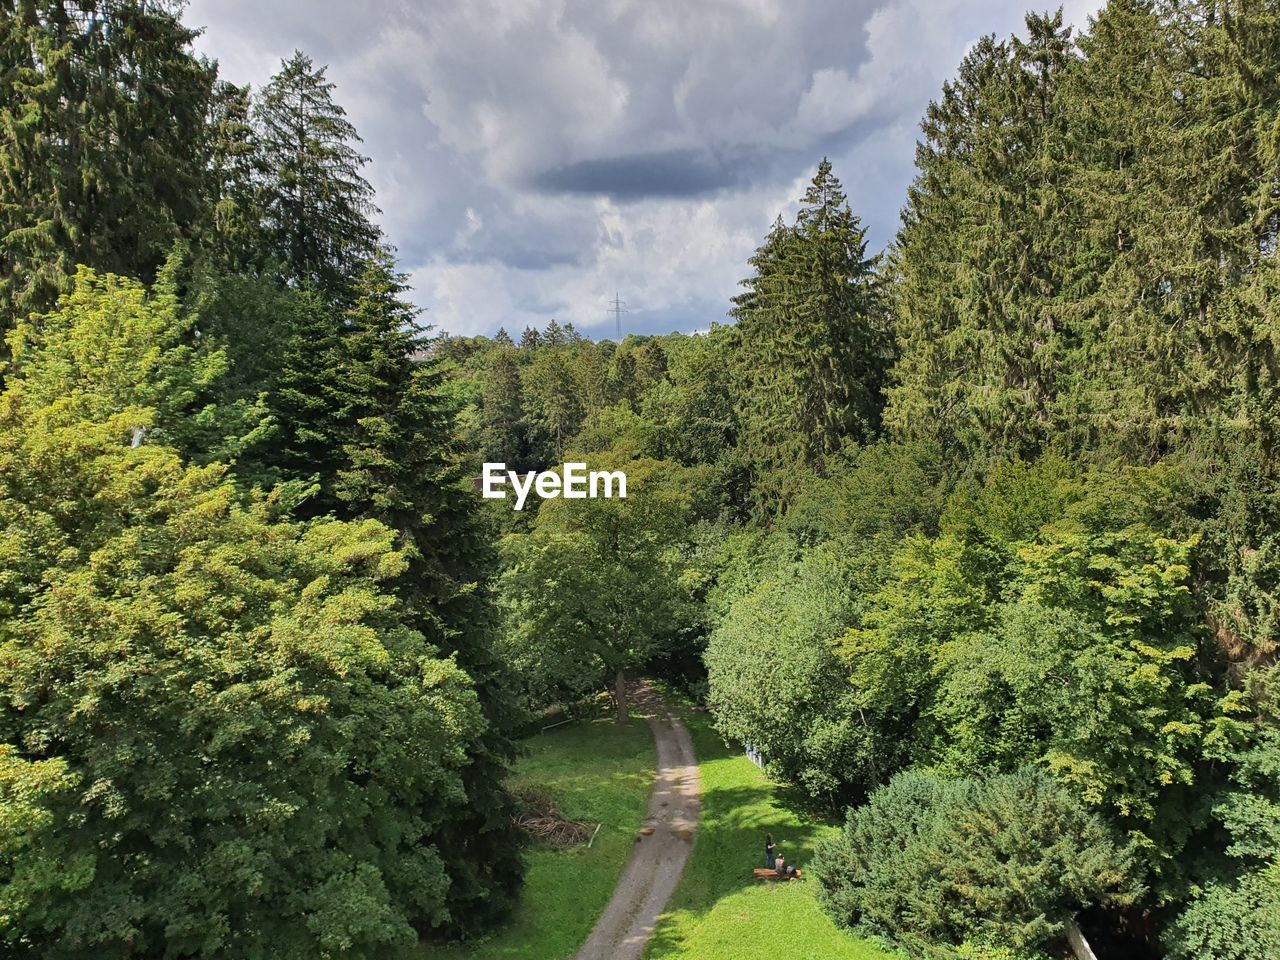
719 912
599 772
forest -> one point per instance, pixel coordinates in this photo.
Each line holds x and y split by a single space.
974 540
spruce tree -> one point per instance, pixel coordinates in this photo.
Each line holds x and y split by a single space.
502 414
815 343
554 335
236 175
1174 138
589 367
318 206
308 405
103 142
975 264
363 413
553 402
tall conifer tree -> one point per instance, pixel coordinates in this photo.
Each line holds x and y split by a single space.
318 205
103 142
502 411
360 409
237 179
975 263
814 340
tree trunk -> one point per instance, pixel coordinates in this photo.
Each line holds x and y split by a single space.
1079 945
620 696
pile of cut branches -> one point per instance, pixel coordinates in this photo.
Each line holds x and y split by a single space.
540 820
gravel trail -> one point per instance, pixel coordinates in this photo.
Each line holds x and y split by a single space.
664 843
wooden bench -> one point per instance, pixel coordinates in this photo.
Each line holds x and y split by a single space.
764 874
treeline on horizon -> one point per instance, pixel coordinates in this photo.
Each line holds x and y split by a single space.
975 541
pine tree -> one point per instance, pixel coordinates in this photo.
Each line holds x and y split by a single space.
975 264
502 338
553 336
103 143
530 339
318 206
814 338
502 414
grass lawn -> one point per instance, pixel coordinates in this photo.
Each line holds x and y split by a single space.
721 913
599 772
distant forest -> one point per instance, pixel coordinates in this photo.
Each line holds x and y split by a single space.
976 541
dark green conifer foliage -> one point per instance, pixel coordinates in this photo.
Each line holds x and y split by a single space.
318 206
502 411
401 468
237 179
361 410
974 263
814 338
553 401
306 403
1002 860
103 153
554 335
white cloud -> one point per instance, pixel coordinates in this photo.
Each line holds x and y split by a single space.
684 127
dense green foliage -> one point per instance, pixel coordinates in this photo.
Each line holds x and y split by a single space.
1001 504
1003 860
104 146
814 345
594 589
771 658
249 704
978 540
1236 911
221 737
316 205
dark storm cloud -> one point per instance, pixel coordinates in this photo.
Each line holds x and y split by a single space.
673 173
533 156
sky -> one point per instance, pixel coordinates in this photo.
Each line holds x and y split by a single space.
533 158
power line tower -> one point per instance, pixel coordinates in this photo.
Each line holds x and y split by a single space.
619 307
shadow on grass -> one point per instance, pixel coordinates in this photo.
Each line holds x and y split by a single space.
739 806
742 817
807 806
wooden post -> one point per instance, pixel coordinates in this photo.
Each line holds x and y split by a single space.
620 696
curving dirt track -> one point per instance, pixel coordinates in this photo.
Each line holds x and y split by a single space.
663 846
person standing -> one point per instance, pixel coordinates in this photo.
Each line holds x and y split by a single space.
769 859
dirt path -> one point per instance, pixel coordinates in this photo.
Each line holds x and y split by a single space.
658 859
